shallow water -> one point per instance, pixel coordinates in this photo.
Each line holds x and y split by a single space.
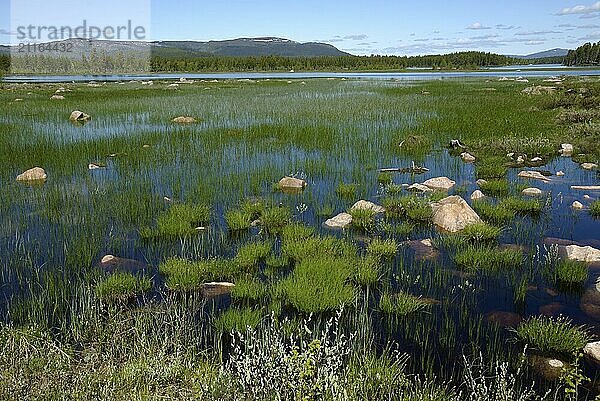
511 71
183 161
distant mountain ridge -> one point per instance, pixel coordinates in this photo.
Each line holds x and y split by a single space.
242 47
545 54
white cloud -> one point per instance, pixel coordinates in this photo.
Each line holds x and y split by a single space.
535 33
478 25
506 27
361 36
580 9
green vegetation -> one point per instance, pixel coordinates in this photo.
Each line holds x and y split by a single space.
480 233
179 220
164 180
250 255
402 303
237 320
237 220
319 285
495 187
363 219
382 249
274 219
548 335
184 275
586 54
492 167
475 258
122 286
494 213
568 272
595 209
346 191
251 290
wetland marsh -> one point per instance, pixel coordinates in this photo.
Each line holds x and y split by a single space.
224 286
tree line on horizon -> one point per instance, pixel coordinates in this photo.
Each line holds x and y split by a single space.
102 62
106 63
585 55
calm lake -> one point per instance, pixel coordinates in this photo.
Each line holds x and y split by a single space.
533 71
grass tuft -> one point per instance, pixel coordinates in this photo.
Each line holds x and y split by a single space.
122 286
549 335
475 258
401 303
595 209
382 249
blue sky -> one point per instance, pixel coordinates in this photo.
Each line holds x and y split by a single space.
359 27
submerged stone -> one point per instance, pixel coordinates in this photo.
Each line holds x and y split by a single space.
213 290
424 249
549 368
505 319
111 264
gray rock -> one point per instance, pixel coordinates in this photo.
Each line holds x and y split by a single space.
339 222
467 157
566 149
533 175
592 350
79 116
577 205
366 205
476 195
184 120
532 192
292 184
453 214
440 183
36 174
419 188
585 254
589 166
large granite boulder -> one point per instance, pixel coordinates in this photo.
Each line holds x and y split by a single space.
453 214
